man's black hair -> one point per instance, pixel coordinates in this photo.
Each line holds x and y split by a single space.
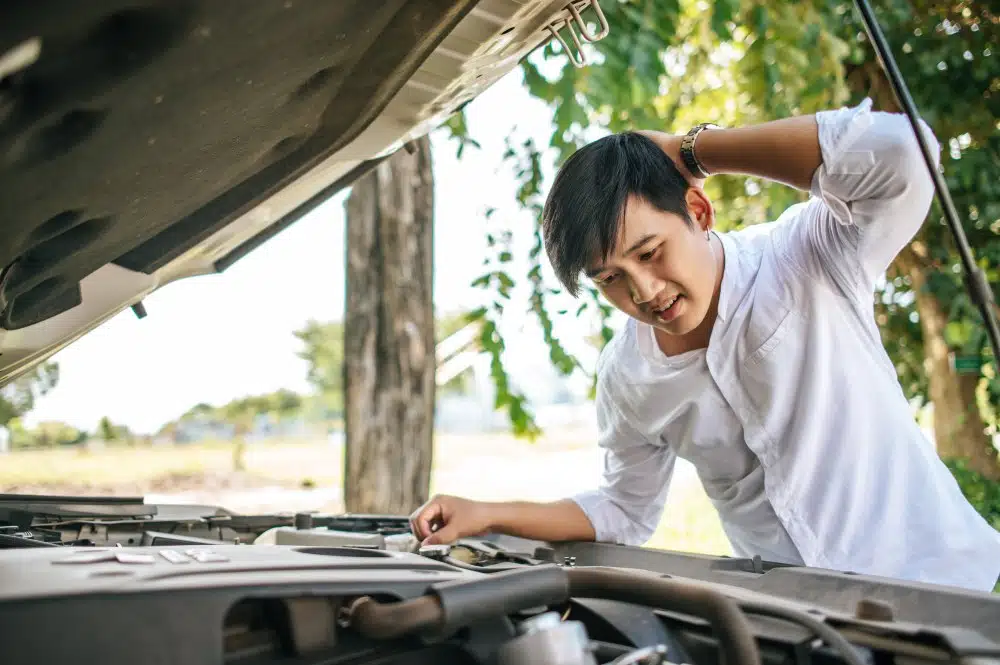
584 210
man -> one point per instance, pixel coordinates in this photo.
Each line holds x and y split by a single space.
753 354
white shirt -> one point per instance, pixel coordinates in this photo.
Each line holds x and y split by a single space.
793 415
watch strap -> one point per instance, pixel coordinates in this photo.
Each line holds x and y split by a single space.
688 155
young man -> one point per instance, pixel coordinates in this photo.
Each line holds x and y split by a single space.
753 354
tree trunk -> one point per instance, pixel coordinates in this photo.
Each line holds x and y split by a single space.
959 431
389 336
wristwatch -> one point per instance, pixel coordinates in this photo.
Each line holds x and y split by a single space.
687 150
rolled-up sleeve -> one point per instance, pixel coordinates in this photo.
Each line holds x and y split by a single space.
627 506
871 193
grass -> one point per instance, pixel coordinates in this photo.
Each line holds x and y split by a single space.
489 467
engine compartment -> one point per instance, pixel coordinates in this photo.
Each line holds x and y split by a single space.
125 581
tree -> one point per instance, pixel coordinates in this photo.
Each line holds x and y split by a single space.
670 64
324 351
284 403
241 414
47 434
389 335
19 396
106 430
51 434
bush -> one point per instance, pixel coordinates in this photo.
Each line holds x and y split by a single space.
982 493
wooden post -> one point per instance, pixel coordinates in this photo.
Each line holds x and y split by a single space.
389 359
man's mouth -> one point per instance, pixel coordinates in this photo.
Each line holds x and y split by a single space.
668 309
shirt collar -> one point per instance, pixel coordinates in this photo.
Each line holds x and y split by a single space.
730 276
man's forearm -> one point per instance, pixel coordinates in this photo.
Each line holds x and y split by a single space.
786 151
555 522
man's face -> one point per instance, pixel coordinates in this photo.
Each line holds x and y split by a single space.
662 270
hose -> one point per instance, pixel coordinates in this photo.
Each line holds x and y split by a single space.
456 603
832 638
735 636
386 621
459 602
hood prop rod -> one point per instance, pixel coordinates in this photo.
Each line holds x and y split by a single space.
975 279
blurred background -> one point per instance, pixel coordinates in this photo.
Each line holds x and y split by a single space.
232 390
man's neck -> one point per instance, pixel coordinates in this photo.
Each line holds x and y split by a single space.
673 345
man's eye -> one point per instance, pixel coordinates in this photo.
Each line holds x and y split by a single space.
607 279
646 256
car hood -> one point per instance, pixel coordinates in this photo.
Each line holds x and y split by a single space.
141 143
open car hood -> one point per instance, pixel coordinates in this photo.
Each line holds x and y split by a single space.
144 142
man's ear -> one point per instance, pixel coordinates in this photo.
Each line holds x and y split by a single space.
700 208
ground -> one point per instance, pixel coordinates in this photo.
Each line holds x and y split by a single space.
297 475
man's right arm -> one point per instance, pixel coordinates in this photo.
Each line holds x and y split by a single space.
626 508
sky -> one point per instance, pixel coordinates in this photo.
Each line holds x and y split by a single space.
218 337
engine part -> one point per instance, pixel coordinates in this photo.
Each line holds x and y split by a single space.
464 603
547 640
653 655
832 638
390 620
627 624
452 605
290 535
735 635
460 603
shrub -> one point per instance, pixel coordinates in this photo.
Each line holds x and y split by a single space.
982 492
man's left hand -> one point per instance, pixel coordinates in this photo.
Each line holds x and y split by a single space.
670 144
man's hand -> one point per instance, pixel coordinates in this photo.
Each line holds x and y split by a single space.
671 146
445 519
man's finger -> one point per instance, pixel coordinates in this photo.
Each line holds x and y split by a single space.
443 536
428 520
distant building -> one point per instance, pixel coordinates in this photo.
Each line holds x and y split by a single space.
556 400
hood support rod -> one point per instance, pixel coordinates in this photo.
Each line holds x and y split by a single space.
975 279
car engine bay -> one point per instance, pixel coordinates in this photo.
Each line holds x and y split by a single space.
115 580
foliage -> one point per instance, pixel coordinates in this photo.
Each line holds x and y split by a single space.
47 434
982 493
279 404
105 430
18 397
324 352
241 414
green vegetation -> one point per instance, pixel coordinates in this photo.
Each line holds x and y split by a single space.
18 397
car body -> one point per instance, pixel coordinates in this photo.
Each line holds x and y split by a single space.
143 143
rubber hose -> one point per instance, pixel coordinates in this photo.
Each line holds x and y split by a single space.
382 621
731 626
826 633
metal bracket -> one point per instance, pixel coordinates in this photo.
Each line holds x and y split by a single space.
573 14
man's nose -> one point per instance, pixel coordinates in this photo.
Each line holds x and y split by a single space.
643 289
